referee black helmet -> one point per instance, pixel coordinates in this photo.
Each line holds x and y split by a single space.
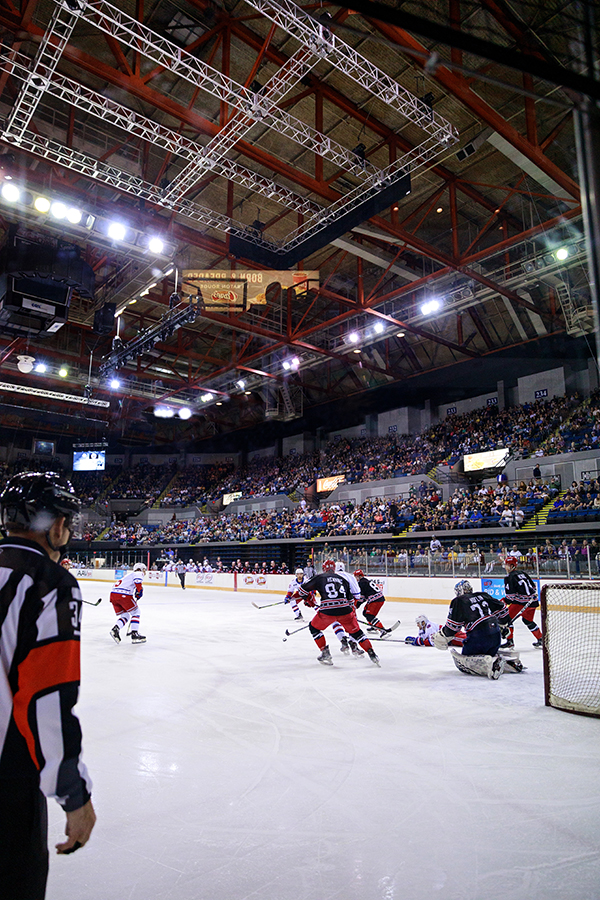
33 500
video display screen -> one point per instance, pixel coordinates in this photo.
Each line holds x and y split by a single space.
490 459
89 460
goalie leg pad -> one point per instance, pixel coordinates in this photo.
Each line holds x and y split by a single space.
485 666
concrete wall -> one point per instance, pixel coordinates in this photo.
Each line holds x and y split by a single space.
210 459
263 453
297 444
541 386
465 406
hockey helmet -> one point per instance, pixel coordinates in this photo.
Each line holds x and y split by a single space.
140 567
33 500
339 566
299 572
511 561
328 565
462 587
422 621
359 573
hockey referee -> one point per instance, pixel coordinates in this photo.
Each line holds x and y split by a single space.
40 737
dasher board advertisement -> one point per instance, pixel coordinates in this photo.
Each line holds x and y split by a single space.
257 281
491 459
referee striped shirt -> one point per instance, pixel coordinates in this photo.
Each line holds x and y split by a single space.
40 617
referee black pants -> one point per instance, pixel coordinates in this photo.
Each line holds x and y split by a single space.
23 840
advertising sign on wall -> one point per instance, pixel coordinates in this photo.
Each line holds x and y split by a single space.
254 282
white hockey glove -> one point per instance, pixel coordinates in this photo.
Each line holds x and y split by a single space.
440 641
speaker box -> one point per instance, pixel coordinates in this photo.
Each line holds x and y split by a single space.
104 319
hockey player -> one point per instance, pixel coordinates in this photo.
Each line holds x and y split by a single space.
124 597
373 599
40 735
337 604
427 630
292 594
520 591
479 614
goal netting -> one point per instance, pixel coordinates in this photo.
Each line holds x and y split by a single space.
571 626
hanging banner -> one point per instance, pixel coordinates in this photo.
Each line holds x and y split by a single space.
214 282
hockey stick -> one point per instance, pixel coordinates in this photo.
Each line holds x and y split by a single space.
290 633
370 624
522 610
265 605
89 602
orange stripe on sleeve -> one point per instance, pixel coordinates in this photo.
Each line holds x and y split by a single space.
44 667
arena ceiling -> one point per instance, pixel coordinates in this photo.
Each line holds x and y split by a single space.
244 131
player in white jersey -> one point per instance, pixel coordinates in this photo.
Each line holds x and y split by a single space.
427 630
124 597
292 593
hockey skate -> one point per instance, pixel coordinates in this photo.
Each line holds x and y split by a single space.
298 618
497 668
115 634
345 647
374 658
539 643
356 650
325 657
137 638
508 644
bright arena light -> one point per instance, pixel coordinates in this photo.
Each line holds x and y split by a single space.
115 383
42 204
58 210
379 328
241 384
116 231
430 306
206 398
185 413
353 337
562 253
163 412
155 245
41 367
287 365
74 215
63 372
10 192
295 363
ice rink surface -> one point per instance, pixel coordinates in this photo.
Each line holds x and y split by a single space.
229 765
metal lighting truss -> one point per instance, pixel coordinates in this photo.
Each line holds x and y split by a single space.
295 68
47 58
86 100
161 331
313 33
174 59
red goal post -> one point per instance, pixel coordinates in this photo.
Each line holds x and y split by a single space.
571 627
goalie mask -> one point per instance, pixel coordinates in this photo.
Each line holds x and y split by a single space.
422 622
462 587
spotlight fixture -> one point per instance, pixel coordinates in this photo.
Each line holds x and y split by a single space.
353 337
25 364
206 398
116 231
247 392
379 328
156 245
356 351
287 365
218 403
241 384
185 413
115 383
561 254
10 192
42 204
430 306
63 372
58 210
401 334
74 215
295 363
41 367
163 412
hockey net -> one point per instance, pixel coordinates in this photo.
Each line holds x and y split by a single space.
571 626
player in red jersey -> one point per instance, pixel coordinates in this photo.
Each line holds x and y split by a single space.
337 604
520 591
